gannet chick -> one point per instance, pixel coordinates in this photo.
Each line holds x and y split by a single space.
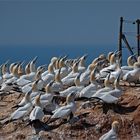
113 133
65 111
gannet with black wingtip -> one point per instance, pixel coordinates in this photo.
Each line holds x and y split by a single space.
65 111
91 89
113 133
69 79
77 88
133 75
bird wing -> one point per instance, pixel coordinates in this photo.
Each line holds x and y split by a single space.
61 113
37 113
108 98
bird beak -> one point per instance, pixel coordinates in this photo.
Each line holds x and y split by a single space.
35 59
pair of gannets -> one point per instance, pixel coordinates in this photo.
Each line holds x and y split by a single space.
111 96
112 65
69 79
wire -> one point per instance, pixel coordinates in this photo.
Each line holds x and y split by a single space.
129 21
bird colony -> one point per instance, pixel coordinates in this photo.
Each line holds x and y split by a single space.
57 90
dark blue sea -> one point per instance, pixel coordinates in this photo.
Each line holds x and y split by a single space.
45 53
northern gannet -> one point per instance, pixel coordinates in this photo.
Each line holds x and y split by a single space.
91 89
69 79
14 75
85 76
130 63
113 133
65 111
32 73
21 112
37 113
26 99
77 88
50 76
81 66
52 63
57 85
111 67
108 87
133 75
5 74
40 82
64 68
113 95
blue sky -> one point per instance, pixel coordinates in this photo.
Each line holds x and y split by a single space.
56 23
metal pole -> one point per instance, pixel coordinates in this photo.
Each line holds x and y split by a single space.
120 39
138 36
